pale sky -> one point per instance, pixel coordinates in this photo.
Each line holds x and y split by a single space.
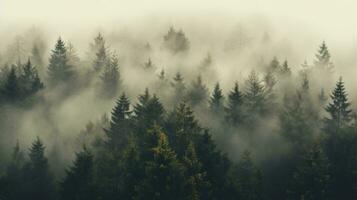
336 18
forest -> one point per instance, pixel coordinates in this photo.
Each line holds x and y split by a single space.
163 117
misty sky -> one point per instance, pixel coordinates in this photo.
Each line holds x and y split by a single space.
335 17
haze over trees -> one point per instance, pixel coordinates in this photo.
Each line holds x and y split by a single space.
117 124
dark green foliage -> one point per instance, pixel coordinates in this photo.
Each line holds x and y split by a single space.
12 91
217 100
285 69
311 178
197 94
255 97
78 183
339 110
179 88
119 132
249 183
38 181
110 78
164 174
235 110
59 69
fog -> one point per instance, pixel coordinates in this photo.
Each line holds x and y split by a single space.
240 36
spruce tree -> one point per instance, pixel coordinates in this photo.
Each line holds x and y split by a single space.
119 132
235 110
217 99
285 69
78 182
29 79
255 97
38 179
323 58
249 179
197 93
197 186
59 69
312 176
339 111
110 78
179 88
164 174
12 90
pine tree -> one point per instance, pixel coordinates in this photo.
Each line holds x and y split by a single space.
323 58
11 91
274 65
255 96
78 183
182 128
148 111
148 65
29 79
110 78
197 186
38 179
216 99
59 69
164 174
176 41
119 132
197 93
101 60
249 181
285 69
179 88
312 176
235 110
340 114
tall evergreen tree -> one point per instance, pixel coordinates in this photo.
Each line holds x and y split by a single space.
11 91
235 110
59 69
78 183
249 181
323 58
255 97
312 176
217 99
110 78
197 93
164 174
179 88
119 132
339 111
38 179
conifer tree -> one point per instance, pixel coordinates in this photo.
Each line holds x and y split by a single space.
78 183
110 78
176 41
323 58
197 93
249 183
197 186
164 174
29 79
179 88
59 69
285 69
274 65
11 91
235 110
182 128
339 111
101 60
119 132
255 96
312 176
38 179
216 99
